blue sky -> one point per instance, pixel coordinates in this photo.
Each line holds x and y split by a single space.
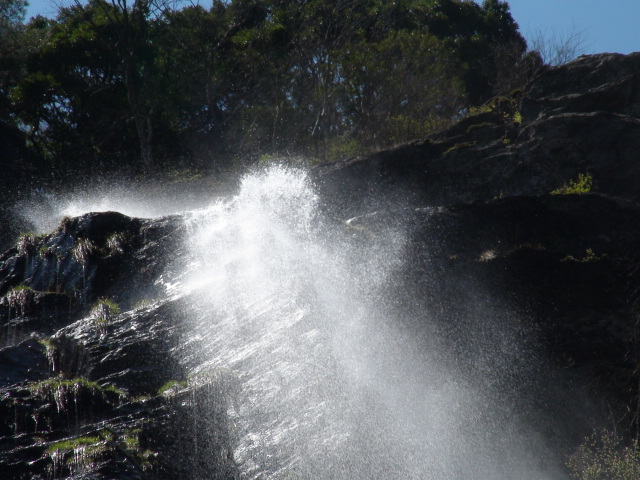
605 26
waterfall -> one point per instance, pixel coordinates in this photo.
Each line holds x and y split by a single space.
299 311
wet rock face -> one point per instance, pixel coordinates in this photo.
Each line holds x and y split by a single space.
81 384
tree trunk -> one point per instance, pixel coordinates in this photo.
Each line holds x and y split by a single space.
144 128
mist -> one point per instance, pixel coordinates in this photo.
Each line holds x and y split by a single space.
337 377
337 372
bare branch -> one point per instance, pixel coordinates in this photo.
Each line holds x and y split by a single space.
559 48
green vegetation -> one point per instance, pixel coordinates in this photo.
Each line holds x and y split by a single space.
21 288
129 442
604 457
459 146
90 444
48 343
130 439
19 298
582 185
51 385
146 86
104 311
82 250
51 347
172 386
81 452
28 243
589 256
517 118
116 243
64 391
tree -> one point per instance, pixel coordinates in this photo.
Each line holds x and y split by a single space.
394 95
17 160
114 80
558 49
12 13
72 98
486 39
129 24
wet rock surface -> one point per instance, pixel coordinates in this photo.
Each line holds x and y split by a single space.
92 390
81 395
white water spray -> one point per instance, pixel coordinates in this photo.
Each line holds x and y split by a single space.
330 386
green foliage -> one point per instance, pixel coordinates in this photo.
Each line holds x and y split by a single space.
48 343
172 386
104 311
506 106
64 391
82 250
589 256
75 455
19 298
604 457
90 444
28 243
129 441
582 185
459 146
51 385
79 454
517 118
100 88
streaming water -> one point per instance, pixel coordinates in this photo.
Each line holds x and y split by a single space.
329 386
328 380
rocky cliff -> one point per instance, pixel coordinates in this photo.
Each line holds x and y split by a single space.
87 389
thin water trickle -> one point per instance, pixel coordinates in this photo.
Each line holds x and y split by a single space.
329 386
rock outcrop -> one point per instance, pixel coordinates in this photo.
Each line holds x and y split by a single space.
582 117
87 389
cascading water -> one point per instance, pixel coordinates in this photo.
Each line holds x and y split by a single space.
327 384
335 366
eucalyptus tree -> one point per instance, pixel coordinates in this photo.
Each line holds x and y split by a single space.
141 84
128 23
72 99
12 14
393 95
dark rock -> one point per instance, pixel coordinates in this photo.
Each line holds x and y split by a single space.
90 382
24 362
582 117
594 83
